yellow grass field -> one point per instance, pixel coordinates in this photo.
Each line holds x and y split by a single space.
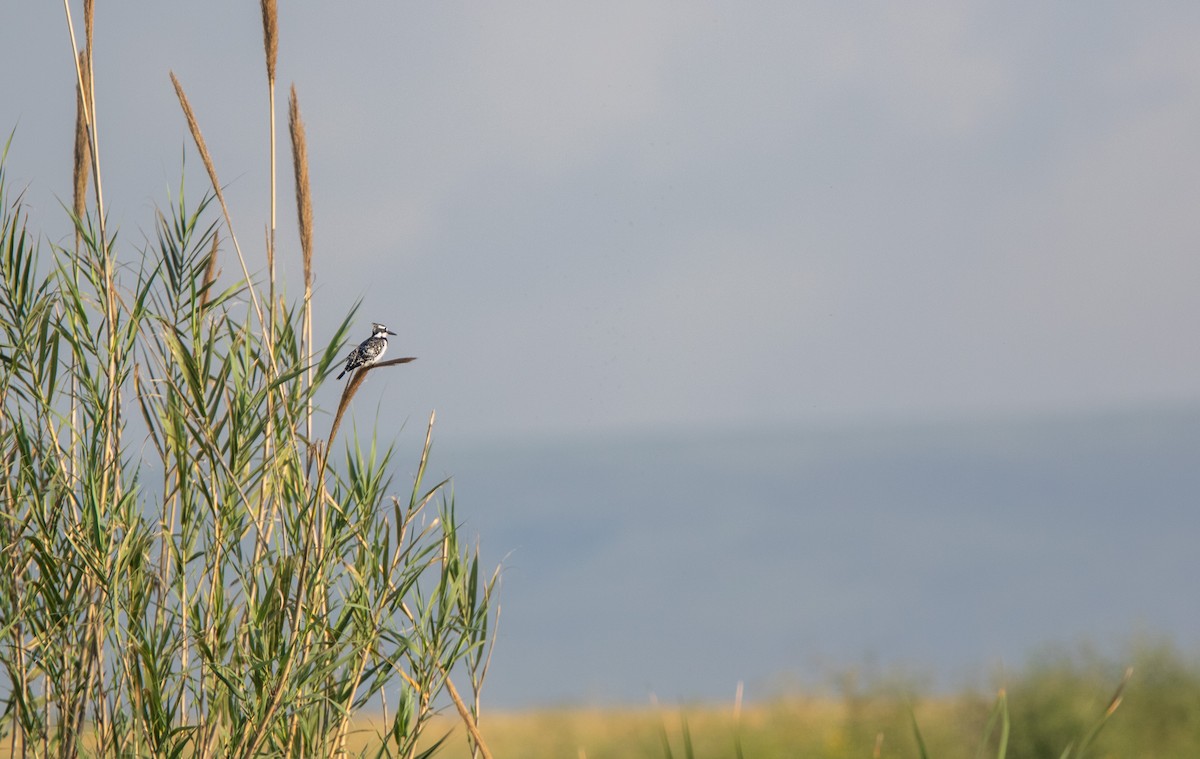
797 726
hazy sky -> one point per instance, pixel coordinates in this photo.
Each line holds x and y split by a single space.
636 214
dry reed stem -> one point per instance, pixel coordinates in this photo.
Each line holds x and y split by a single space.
271 53
463 712
109 487
352 386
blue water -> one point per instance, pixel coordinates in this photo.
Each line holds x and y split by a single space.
679 563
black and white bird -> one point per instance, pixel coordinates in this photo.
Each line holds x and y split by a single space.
368 351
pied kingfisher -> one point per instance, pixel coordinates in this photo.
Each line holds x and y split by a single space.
369 351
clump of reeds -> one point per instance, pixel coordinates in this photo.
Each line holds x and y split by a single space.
185 582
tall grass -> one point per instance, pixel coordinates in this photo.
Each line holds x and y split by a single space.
185 569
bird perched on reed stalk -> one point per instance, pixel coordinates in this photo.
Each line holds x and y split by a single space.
369 351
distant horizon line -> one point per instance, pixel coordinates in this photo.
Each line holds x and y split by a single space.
862 422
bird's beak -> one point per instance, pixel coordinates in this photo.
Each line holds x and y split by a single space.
393 334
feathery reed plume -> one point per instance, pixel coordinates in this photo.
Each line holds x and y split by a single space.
270 36
303 196
84 84
194 127
271 50
83 157
198 138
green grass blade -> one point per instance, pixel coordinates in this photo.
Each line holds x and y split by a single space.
912 714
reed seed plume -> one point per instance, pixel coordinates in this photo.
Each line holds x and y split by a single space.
83 155
87 105
303 196
270 36
271 52
197 137
206 158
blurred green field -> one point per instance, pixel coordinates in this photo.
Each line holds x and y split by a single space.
1052 704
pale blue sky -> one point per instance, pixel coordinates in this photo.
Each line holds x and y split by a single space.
648 214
